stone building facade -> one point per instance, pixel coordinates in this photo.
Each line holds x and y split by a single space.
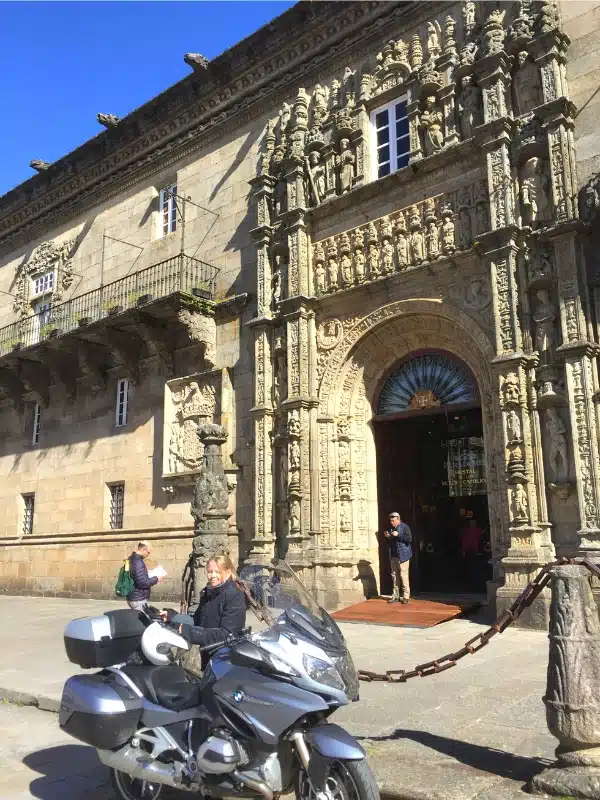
265 246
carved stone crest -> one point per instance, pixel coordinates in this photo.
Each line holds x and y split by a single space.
329 334
48 257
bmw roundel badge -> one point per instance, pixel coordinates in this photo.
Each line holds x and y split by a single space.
238 696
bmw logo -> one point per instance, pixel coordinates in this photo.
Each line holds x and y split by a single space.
238 696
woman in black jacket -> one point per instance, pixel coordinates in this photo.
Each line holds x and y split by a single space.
221 610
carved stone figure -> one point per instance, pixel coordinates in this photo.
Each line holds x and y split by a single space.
294 423
39 165
433 41
494 33
535 201
433 240
196 61
590 202
520 504
345 260
464 229
316 172
387 256
108 120
320 105
345 161
417 249
280 196
513 426
332 265
527 89
373 257
543 317
294 454
295 515
276 289
511 388
284 117
448 231
320 278
402 250
431 123
468 15
449 34
558 449
469 106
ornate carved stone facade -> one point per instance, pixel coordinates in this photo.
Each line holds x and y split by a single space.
465 236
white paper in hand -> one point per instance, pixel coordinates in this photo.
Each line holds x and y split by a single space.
157 572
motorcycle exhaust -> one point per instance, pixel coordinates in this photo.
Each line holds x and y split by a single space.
258 786
126 760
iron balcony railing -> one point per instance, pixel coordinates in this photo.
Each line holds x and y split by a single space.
180 273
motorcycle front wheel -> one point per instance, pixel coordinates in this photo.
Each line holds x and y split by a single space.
128 788
348 780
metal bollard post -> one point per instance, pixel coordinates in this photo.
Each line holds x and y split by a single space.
573 688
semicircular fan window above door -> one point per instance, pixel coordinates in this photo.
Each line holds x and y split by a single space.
425 382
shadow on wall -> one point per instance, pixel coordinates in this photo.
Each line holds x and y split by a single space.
367 576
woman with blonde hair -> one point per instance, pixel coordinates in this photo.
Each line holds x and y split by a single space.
221 609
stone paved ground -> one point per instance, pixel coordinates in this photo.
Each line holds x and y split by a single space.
475 731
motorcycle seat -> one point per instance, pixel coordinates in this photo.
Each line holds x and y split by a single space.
170 686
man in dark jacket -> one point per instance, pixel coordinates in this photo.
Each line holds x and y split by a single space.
142 582
399 539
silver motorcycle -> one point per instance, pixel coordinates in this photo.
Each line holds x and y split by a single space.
256 724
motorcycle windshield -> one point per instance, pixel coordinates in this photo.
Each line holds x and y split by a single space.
284 599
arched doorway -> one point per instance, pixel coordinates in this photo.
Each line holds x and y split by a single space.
431 469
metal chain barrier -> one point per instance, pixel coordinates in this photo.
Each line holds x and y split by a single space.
523 601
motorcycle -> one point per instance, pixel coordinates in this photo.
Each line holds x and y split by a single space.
255 724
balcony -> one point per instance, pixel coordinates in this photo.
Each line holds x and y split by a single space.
180 273
150 313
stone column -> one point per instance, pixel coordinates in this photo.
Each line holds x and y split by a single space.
209 504
573 687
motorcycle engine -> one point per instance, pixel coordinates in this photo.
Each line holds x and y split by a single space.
220 753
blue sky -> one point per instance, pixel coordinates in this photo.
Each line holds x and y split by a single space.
62 63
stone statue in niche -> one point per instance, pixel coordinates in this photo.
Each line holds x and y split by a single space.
320 277
433 40
275 289
280 196
294 454
401 241
320 105
345 162
558 450
417 249
468 15
284 117
513 426
448 230
535 199
511 388
520 505
431 123
316 177
469 106
295 515
543 317
527 90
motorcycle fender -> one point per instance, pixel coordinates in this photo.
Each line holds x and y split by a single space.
333 742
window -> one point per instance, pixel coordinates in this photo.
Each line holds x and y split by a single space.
43 284
28 509
391 143
122 402
167 217
37 423
117 500
42 314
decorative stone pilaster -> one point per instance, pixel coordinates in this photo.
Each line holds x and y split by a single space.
573 687
582 383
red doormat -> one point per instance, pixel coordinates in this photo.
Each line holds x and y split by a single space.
415 614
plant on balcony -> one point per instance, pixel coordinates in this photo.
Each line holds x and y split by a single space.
111 307
202 289
46 330
80 319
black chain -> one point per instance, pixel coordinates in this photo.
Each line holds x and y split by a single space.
523 601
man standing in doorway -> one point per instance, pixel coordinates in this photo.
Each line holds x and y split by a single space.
138 597
399 538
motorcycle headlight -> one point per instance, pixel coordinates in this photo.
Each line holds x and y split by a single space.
322 672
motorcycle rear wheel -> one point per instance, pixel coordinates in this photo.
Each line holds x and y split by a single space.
348 780
128 788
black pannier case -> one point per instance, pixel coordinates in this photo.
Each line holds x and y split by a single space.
99 711
93 642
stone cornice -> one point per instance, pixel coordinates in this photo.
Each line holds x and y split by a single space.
194 112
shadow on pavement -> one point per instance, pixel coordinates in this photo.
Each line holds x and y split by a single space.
74 772
486 759
68 771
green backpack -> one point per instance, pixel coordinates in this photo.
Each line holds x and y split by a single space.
124 585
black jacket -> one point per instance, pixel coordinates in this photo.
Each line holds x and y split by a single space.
142 581
221 611
400 545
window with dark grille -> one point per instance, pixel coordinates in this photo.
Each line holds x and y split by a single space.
28 510
37 424
122 402
391 141
117 500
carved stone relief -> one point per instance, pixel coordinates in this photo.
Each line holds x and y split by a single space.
47 257
191 401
